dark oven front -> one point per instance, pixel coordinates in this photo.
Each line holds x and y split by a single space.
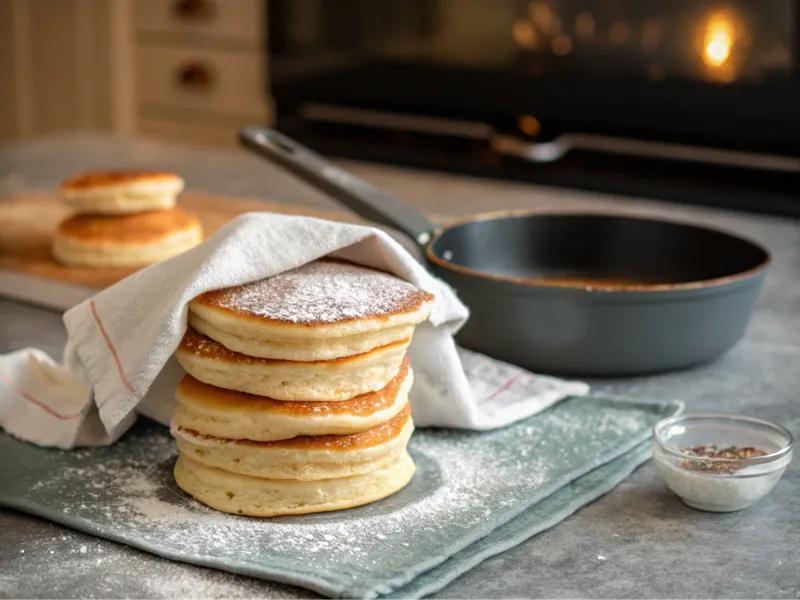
684 100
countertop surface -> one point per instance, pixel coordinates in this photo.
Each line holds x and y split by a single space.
637 541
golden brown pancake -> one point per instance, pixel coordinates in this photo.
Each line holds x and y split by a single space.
94 180
204 346
122 192
125 240
334 380
304 457
323 310
364 439
139 228
237 415
363 405
263 497
322 292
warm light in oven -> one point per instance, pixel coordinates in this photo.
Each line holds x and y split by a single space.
545 19
561 45
718 50
718 42
619 32
530 125
721 42
584 24
651 34
524 34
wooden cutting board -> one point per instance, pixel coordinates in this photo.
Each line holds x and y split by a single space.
28 221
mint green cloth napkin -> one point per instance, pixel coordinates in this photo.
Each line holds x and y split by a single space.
473 496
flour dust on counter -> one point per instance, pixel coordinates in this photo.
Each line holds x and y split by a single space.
95 568
467 485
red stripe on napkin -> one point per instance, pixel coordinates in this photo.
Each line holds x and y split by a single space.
503 387
113 350
33 400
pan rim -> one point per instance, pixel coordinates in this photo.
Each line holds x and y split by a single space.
594 288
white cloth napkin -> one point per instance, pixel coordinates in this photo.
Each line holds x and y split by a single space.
118 359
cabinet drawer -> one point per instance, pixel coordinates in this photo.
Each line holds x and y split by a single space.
218 81
241 20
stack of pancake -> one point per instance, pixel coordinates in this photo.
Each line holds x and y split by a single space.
124 219
296 397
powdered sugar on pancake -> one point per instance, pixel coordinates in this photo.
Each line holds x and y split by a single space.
321 292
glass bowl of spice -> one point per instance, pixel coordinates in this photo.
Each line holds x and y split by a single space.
720 463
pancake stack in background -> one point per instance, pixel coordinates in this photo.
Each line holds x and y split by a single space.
296 397
124 219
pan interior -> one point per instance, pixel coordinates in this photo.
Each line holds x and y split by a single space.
596 250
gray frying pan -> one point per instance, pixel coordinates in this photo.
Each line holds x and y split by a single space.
567 294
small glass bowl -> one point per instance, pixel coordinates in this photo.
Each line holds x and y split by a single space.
723 484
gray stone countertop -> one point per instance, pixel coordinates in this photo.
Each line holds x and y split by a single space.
637 541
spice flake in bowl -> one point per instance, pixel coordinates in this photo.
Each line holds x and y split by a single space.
720 463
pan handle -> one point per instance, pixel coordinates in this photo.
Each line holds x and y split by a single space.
362 198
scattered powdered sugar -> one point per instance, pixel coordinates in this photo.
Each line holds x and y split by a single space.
196 583
323 291
61 567
466 484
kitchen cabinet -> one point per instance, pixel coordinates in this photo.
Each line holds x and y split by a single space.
183 70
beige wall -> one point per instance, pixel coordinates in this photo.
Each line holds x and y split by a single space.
63 64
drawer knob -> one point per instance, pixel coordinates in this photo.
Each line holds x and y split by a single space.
195 76
194 9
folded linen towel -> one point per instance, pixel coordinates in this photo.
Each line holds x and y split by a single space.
118 359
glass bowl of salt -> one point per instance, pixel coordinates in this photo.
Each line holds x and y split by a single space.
720 463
